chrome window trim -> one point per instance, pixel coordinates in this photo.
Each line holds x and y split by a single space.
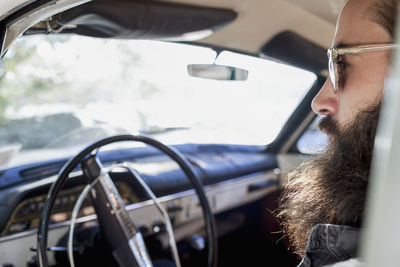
15 9
14 29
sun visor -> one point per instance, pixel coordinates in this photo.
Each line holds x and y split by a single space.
141 20
293 49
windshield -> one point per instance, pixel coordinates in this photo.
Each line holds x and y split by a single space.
60 93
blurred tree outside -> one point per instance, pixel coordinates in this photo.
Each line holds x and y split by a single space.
19 84
40 70
47 70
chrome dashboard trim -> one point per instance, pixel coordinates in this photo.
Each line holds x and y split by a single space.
146 203
52 226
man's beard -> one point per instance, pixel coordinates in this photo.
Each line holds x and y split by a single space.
331 188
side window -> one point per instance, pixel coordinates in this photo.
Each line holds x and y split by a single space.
313 141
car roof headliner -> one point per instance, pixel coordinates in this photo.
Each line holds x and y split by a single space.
258 21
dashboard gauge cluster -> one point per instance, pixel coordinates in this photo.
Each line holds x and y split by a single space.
27 214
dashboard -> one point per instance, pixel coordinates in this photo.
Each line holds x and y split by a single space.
233 177
27 213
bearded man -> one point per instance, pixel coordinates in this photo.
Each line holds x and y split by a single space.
323 202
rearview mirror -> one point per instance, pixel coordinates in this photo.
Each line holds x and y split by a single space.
217 72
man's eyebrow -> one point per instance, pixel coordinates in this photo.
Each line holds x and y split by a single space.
346 45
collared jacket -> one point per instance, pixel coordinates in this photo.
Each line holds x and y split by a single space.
332 246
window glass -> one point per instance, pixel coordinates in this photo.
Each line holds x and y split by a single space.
313 141
60 93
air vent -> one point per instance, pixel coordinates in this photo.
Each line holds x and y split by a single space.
42 170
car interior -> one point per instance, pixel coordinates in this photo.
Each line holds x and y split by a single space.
155 132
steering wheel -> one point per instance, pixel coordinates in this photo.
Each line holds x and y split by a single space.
121 232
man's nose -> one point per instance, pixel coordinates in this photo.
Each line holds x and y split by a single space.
326 101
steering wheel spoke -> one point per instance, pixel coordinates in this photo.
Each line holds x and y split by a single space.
121 233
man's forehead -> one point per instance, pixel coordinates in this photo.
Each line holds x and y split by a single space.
356 27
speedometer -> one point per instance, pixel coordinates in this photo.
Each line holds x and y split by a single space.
27 214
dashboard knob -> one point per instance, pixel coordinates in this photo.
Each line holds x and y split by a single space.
158 226
197 242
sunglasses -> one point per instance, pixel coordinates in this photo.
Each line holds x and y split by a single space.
336 66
